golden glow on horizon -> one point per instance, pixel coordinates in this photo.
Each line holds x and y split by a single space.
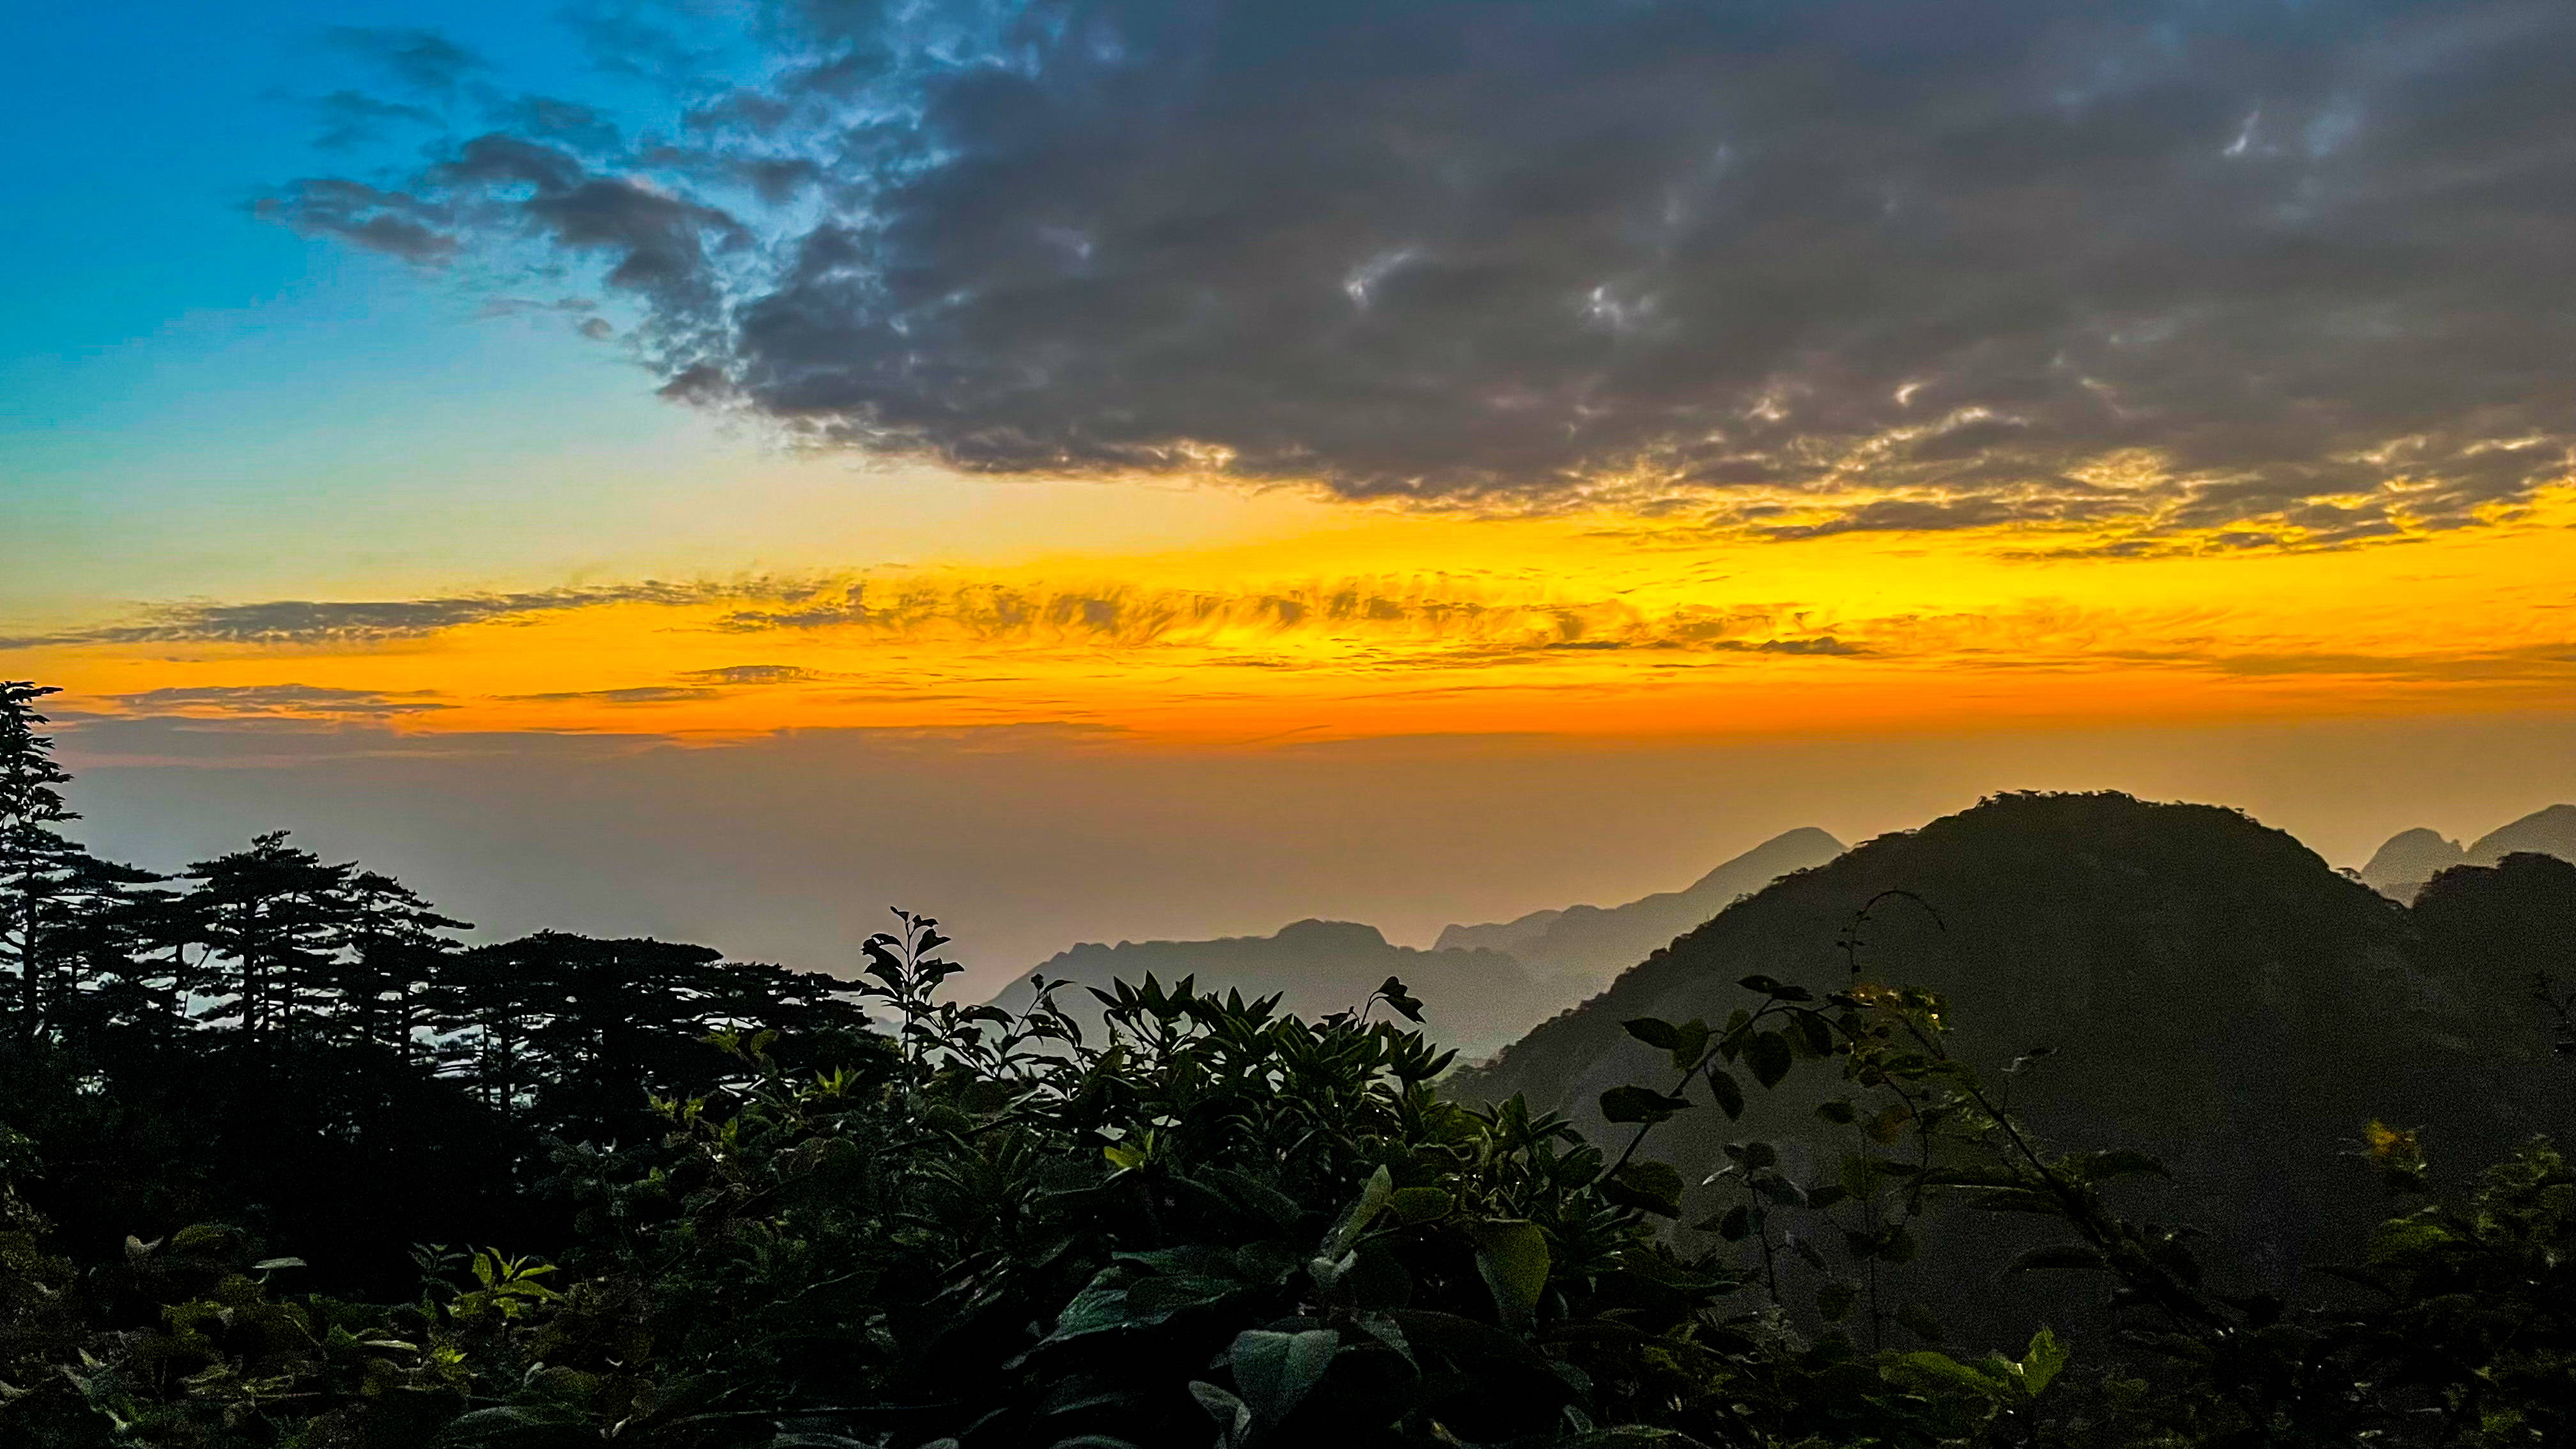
1386 622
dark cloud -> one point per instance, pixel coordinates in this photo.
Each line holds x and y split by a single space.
1431 621
306 621
422 60
560 122
347 119
2259 275
1423 624
500 185
754 674
636 694
288 741
639 38
396 223
283 699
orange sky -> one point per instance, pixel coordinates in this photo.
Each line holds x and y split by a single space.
1348 621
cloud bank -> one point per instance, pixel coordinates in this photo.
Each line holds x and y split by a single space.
2174 274
373 621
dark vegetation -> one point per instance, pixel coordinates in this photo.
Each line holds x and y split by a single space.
286 1165
2213 993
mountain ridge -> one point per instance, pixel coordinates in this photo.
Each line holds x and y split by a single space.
2216 994
1483 986
1598 942
2408 859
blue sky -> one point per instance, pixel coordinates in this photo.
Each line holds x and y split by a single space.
181 374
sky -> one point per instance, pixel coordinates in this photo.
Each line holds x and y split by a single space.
1152 468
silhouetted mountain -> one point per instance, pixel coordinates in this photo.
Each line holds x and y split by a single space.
1512 936
2494 927
2411 857
1482 985
2542 832
1593 944
1473 1000
2217 994
2399 868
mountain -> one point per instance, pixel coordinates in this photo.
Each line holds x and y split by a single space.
2216 993
2542 832
2399 868
2411 857
1593 944
1482 986
1474 1000
1512 937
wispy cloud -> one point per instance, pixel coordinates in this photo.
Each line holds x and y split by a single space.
1431 612
344 622
283 699
632 694
959 641
756 674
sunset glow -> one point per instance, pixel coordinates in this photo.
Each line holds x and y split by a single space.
1595 623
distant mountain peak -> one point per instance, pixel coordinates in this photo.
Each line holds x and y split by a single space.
1592 944
2548 831
1317 932
1806 844
1476 1000
2411 857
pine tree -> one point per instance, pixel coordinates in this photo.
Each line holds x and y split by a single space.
278 919
397 953
43 875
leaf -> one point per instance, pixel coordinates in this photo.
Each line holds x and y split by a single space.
2017 1200
1461 1338
2096 1166
1768 1055
267 1263
515 1426
1394 994
1513 1257
1232 1415
1387 1331
1834 1299
1258 1196
1839 1111
1730 1096
1420 1204
1652 1187
1735 1224
1694 1047
1627 1437
1654 1032
2043 1362
1110 1301
2057 1255
1934 1367
1273 1372
1640 1104
1776 990
1919 1319
1374 1196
